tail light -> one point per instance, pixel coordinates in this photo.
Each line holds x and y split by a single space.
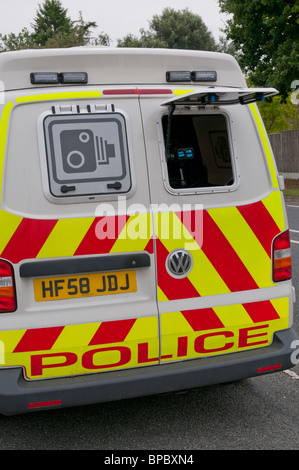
281 257
7 288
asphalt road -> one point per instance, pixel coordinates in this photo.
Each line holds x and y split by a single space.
257 413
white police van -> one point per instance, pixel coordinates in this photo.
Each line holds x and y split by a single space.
144 244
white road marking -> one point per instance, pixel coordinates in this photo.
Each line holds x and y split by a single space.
294 241
295 231
292 374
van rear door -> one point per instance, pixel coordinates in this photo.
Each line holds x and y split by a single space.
84 270
222 209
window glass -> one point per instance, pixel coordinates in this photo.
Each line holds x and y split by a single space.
87 154
197 151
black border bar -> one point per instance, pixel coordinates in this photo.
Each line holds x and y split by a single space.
83 265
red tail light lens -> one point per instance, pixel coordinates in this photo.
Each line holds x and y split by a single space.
7 288
281 257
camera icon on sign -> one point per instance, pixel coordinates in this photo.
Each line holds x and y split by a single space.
82 151
78 151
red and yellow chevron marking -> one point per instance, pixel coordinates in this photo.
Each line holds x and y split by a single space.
22 238
79 349
98 347
205 332
235 254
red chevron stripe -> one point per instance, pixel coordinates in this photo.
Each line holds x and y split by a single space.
92 242
112 332
222 255
38 339
202 319
224 258
150 246
28 239
261 223
261 311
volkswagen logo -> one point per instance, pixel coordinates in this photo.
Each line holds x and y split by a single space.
179 263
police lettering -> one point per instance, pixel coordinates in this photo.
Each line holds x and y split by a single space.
110 357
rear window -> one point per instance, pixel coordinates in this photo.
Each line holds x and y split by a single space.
197 150
87 154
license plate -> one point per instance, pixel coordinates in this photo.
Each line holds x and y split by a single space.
87 285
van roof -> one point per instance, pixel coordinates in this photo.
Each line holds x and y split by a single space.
109 66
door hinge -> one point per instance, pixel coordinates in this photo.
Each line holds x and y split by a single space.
77 109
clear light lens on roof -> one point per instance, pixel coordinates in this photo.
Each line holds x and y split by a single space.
38 78
44 77
204 76
73 77
178 76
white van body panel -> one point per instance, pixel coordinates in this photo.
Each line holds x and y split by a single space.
144 238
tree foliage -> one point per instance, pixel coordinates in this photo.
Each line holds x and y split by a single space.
51 19
173 29
15 42
279 116
265 32
78 35
52 27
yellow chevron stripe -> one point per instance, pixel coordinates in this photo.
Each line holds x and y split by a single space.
65 237
161 296
273 204
181 92
59 96
76 336
144 328
265 142
3 136
245 243
11 338
135 234
174 323
232 315
9 224
282 308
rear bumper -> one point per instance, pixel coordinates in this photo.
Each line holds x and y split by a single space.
18 395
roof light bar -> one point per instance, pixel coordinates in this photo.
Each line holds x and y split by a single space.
204 76
38 78
196 76
41 78
178 76
73 77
